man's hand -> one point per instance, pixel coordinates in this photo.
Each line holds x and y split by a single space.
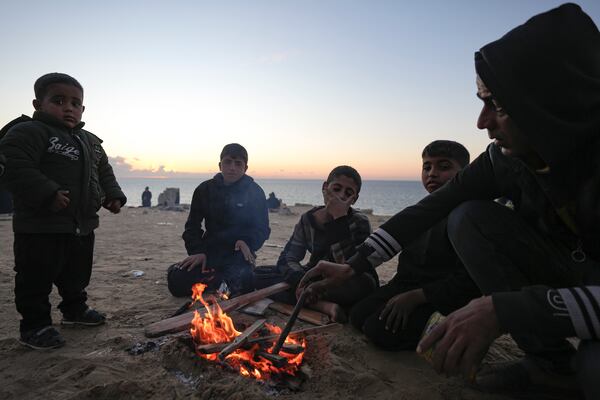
398 309
331 275
61 200
335 206
240 245
463 338
193 261
114 206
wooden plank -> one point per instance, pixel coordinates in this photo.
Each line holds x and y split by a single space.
240 340
182 322
257 308
306 315
217 347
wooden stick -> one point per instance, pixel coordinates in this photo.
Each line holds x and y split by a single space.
306 315
290 323
182 322
240 340
217 347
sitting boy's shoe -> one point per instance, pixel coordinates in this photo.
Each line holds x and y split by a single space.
42 339
89 317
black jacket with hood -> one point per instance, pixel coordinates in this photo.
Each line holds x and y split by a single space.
546 75
43 156
230 213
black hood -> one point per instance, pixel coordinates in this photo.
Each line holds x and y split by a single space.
546 74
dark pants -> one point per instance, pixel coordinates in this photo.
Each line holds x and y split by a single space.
41 260
503 253
230 268
365 317
353 290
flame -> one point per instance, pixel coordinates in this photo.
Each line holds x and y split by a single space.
217 327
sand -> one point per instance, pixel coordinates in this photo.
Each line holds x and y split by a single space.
95 363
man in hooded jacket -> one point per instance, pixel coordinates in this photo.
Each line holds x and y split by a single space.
539 265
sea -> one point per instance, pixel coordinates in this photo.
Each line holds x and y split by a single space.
384 197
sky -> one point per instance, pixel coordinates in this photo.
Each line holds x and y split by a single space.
303 85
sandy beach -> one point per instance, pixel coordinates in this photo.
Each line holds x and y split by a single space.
95 363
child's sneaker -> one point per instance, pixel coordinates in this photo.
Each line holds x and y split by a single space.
42 339
89 317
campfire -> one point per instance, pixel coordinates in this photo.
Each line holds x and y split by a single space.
253 357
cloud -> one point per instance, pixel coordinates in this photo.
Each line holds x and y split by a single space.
278 57
123 169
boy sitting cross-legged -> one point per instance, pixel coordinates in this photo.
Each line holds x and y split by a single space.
329 232
430 276
233 209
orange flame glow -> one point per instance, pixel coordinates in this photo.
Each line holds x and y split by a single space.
217 327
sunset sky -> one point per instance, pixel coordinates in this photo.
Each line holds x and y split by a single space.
303 85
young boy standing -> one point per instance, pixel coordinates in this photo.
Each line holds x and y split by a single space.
329 232
59 177
430 276
236 224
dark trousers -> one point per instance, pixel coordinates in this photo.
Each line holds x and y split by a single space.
503 253
346 295
230 267
365 317
41 260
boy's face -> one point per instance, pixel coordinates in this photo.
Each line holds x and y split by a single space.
343 187
64 102
437 171
232 169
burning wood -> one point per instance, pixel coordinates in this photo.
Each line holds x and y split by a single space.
216 327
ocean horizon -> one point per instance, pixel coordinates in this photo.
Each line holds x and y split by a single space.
384 197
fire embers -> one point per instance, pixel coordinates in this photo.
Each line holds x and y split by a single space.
252 358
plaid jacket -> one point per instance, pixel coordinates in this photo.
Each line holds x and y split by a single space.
336 242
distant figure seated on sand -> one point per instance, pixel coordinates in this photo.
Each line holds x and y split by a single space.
234 211
329 232
430 276
273 203
147 197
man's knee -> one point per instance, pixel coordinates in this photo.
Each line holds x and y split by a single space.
179 281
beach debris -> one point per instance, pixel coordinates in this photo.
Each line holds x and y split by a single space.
182 322
136 273
164 223
144 347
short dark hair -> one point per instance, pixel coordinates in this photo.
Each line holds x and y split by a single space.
348 171
449 149
40 87
235 150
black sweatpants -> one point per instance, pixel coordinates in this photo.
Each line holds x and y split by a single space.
41 260
503 253
365 317
230 267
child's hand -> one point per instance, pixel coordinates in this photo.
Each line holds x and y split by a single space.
240 245
61 201
114 206
398 309
335 206
195 260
